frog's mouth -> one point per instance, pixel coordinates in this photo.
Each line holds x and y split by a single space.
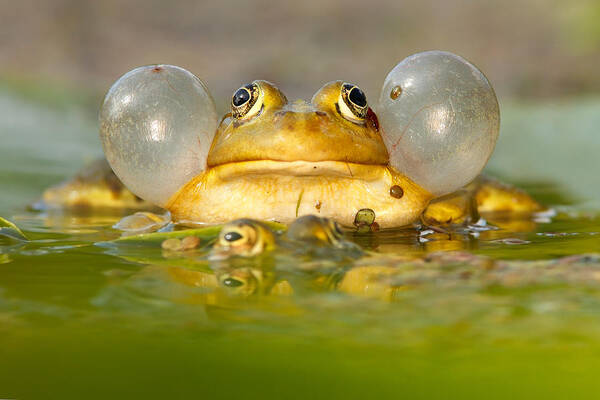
299 169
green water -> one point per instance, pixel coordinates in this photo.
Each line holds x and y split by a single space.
515 319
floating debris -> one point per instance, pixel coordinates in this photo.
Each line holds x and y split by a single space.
142 222
9 229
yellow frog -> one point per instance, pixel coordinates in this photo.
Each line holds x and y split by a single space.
431 133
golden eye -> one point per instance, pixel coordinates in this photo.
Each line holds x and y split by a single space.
352 103
246 101
242 281
228 281
234 237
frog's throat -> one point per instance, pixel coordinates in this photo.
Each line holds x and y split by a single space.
282 191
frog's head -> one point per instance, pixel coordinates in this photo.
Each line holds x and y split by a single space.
337 125
439 123
244 238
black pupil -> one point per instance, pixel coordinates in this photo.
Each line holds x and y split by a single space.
230 282
232 236
241 96
358 97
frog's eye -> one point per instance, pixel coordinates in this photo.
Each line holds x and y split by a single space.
352 103
232 236
239 235
235 236
157 124
246 102
439 119
231 282
240 281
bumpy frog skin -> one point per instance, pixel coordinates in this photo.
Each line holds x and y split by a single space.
435 127
294 159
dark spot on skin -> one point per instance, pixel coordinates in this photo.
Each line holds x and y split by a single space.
396 192
157 69
318 206
372 120
315 167
321 113
396 92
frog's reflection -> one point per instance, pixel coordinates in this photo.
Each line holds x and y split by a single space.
248 260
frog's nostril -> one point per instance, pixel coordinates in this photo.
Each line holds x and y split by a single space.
321 113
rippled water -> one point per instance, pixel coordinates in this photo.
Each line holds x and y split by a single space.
514 314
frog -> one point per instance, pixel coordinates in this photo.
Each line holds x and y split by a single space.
94 187
335 155
247 237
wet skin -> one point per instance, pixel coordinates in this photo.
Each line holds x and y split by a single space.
279 160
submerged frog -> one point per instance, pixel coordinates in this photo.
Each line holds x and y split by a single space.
431 133
247 237
316 237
